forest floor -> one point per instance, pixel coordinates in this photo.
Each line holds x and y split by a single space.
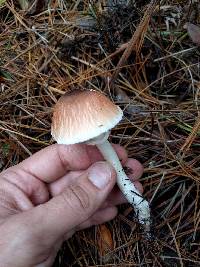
145 56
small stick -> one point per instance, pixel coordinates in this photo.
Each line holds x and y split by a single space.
136 40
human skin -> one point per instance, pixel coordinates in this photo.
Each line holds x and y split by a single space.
46 198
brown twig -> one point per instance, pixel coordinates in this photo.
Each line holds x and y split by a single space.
136 41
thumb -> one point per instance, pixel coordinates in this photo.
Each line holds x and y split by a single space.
77 203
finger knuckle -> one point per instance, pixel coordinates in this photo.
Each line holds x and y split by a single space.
77 197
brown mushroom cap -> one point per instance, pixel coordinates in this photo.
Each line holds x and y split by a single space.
82 115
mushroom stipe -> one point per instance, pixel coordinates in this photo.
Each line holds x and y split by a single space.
87 117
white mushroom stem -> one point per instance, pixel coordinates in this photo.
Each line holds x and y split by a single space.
140 205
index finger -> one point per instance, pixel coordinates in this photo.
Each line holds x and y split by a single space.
53 162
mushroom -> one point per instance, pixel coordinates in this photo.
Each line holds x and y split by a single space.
87 117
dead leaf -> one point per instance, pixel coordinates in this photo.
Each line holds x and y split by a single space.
121 96
130 107
105 242
193 32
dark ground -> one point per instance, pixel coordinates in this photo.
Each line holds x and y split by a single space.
70 45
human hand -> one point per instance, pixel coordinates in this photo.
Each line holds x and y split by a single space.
46 198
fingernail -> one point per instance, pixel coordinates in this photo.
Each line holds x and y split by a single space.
100 174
